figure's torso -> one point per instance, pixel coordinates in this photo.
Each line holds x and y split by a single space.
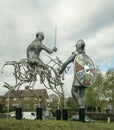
34 49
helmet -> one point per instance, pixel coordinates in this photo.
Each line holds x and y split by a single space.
80 45
80 41
40 33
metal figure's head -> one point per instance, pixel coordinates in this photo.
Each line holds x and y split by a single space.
41 34
80 46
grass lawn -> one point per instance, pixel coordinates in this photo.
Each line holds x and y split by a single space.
10 124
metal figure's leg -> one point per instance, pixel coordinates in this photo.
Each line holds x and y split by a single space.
75 94
40 63
79 95
82 97
82 102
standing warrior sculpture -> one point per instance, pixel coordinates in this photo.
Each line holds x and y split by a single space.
84 73
34 49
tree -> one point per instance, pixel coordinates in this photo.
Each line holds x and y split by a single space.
71 104
53 101
101 93
109 85
91 99
95 91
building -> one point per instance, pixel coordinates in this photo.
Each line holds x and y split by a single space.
27 99
1 103
1 98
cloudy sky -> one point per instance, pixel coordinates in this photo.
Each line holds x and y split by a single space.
90 20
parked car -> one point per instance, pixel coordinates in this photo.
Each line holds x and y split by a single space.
87 119
26 115
29 115
12 114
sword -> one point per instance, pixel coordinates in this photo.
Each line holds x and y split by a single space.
55 35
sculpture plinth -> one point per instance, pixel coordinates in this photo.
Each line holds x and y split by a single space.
18 113
39 113
65 114
82 114
58 114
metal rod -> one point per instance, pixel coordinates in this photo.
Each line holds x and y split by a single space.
55 35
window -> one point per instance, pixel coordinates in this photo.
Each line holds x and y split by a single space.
0 99
14 104
7 99
26 106
7 105
26 98
14 99
35 99
35 105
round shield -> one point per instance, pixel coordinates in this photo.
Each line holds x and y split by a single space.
84 69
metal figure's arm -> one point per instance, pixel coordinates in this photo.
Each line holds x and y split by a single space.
69 60
48 49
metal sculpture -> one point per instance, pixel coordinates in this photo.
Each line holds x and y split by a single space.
84 75
27 71
27 75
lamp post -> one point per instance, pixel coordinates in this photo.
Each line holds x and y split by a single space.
8 105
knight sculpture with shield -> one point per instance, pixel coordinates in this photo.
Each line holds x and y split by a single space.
84 75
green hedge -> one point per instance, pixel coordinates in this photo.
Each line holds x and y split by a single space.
100 116
94 115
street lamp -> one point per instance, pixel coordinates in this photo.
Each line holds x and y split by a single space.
8 105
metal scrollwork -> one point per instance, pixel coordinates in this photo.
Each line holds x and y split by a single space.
26 74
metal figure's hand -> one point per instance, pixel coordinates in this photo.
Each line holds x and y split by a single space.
55 49
60 72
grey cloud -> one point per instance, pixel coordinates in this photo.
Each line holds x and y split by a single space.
93 21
